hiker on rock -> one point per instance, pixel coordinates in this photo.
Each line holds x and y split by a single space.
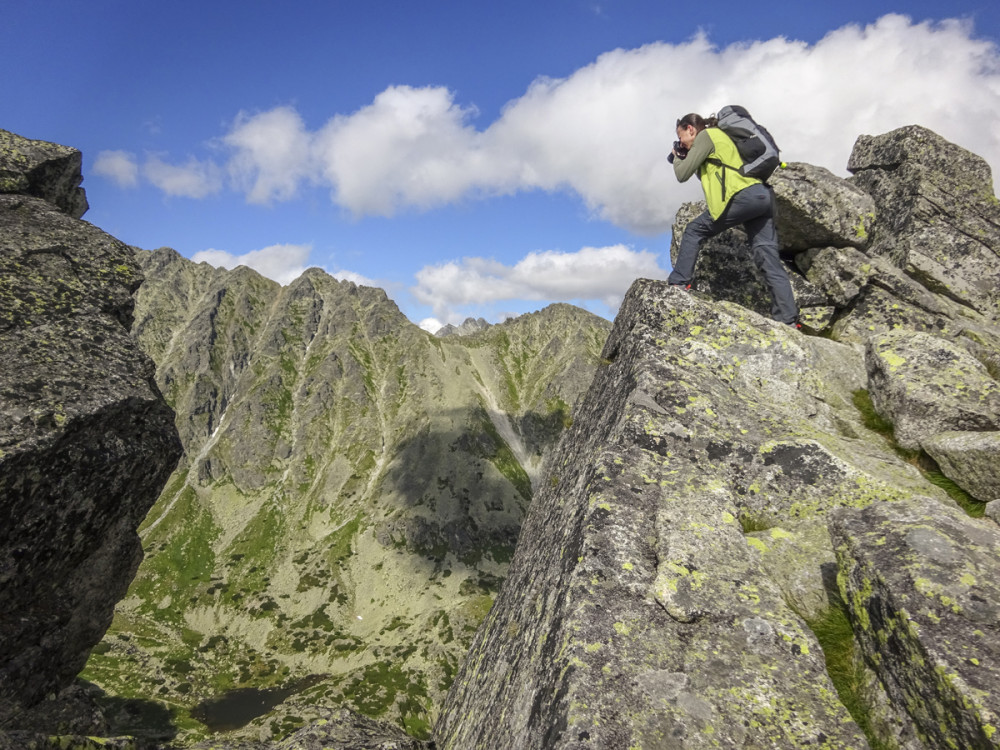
733 198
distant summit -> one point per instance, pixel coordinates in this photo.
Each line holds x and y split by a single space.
468 327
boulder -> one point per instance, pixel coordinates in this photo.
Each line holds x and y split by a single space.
839 272
44 170
970 459
86 439
818 209
925 385
937 213
659 577
922 582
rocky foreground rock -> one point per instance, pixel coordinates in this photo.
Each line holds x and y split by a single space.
728 490
86 439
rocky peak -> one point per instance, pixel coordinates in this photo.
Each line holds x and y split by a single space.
937 211
43 170
733 493
467 327
86 440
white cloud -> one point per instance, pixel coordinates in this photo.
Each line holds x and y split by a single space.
600 274
118 166
431 325
272 154
604 131
282 263
409 147
195 179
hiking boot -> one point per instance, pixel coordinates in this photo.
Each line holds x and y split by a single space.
682 287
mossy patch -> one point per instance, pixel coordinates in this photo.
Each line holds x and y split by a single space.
845 665
973 508
920 459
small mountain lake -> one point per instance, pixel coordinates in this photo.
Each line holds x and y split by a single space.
239 707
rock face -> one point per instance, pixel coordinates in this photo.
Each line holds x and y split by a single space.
638 611
816 209
86 439
921 583
726 493
43 170
949 246
740 539
973 458
926 385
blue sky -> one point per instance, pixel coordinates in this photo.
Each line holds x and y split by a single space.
471 159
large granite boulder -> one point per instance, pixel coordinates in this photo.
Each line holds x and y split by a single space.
86 440
818 209
44 170
925 384
655 597
970 459
922 582
937 213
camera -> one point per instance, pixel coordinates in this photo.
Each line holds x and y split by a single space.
679 150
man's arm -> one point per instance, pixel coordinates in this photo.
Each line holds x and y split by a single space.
701 149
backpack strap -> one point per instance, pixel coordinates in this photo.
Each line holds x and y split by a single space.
720 163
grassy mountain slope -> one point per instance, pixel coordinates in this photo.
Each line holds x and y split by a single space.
351 494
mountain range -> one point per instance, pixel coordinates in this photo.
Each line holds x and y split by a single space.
351 491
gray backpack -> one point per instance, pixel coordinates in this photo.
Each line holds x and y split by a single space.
756 146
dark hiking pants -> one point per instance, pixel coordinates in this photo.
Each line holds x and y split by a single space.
754 208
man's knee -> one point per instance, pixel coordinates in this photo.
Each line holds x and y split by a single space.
701 227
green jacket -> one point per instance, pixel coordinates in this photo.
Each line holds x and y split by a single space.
714 157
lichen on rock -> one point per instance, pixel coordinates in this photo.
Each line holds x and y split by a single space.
921 582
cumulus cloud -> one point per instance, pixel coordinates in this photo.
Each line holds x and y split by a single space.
592 273
272 154
282 263
431 325
118 166
193 179
603 132
411 146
